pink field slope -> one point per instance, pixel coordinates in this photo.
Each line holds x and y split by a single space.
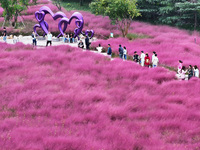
60 98
171 44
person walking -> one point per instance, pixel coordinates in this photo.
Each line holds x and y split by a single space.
136 57
109 52
125 53
147 60
121 52
190 72
87 43
4 34
155 61
196 71
34 39
142 56
49 39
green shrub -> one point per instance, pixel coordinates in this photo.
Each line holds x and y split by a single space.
132 36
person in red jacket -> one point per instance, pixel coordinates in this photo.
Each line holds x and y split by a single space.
147 60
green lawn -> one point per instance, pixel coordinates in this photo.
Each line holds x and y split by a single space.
73 5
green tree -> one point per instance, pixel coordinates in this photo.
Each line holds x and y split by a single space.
149 10
168 13
181 13
13 8
81 2
189 13
120 12
34 1
58 4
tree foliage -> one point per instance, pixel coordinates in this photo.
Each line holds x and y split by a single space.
189 13
58 4
34 1
12 8
121 12
181 13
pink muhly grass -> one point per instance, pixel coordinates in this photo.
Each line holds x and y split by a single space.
1 11
60 97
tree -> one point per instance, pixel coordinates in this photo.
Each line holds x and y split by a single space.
120 12
81 2
189 12
34 1
149 10
13 8
58 4
181 13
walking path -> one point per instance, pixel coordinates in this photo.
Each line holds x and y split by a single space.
41 42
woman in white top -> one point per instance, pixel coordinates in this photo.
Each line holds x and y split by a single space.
99 48
155 61
183 72
153 56
49 39
142 58
125 53
196 71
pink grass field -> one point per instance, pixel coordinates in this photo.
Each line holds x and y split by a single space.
60 98
171 44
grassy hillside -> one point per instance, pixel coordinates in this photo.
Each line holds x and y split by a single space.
58 98
63 98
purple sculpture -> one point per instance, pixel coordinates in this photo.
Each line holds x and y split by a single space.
40 15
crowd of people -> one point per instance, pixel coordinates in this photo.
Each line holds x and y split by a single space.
191 71
145 60
67 38
49 37
142 59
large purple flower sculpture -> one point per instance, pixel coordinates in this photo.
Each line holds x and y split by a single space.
40 15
